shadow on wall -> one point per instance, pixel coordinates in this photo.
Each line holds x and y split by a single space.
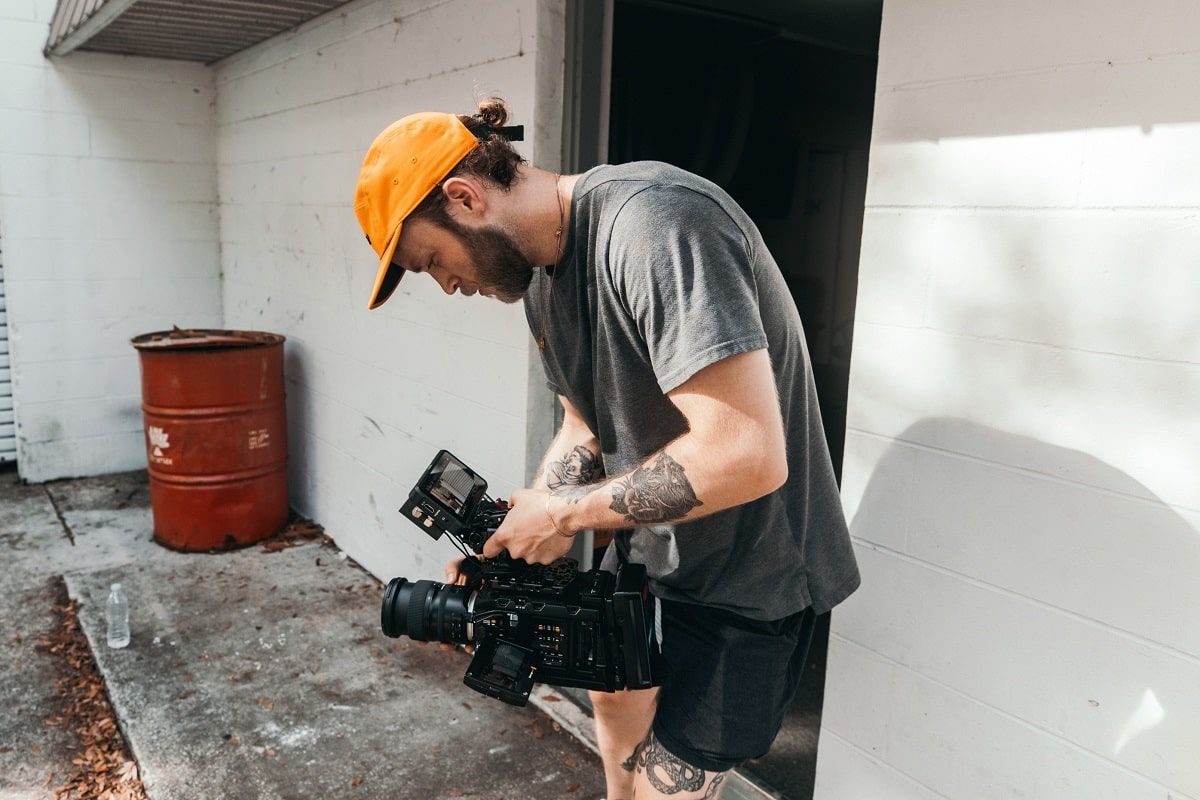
976 576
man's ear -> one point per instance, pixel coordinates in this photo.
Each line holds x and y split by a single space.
465 197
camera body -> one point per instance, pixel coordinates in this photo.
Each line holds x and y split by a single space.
528 622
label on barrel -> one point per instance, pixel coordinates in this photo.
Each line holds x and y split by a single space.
159 441
259 438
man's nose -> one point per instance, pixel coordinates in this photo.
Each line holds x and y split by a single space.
448 283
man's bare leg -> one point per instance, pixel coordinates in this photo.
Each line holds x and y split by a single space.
661 775
622 722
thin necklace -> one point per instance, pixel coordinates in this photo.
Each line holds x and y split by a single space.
558 254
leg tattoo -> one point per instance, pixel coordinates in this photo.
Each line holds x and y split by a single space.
631 763
654 494
714 788
666 772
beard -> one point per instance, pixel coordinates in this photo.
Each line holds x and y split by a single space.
500 266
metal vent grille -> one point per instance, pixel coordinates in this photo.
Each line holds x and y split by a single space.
190 30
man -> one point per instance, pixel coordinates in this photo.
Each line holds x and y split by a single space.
691 422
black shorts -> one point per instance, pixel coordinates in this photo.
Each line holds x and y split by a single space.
727 682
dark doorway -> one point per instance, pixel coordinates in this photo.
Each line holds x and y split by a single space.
772 101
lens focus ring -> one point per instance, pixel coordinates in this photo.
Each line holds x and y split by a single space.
417 603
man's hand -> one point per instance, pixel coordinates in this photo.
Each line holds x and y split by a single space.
527 531
454 573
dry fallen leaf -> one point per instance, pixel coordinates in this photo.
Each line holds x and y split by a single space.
357 781
537 730
103 768
570 762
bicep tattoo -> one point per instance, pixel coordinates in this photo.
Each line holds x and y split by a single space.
658 493
572 473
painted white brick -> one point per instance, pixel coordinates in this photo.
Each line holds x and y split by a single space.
365 397
59 381
1097 136
371 397
99 241
38 88
114 259
1065 278
845 772
21 42
43 132
96 299
20 10
78 457
957 746
900 249
1075 679
54 218
154 141
58 420
47 176
401 52
1022 416
1127 425
1123 562
347 22
932 40
73 340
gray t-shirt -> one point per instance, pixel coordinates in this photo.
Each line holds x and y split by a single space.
664 275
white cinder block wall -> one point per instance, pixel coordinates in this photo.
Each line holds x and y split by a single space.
1024 448
373 396
108 229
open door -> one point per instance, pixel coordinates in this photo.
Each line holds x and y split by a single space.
773 102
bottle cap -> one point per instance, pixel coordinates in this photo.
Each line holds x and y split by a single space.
116 587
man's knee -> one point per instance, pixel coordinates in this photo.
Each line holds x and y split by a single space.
624 703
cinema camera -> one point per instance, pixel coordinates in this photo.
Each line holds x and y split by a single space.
528 622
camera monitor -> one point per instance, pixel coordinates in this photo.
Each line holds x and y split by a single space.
446 497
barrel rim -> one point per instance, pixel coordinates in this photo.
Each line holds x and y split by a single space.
204 339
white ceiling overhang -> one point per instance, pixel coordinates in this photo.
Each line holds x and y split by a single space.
189 30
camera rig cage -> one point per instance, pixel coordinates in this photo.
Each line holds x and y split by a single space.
528 622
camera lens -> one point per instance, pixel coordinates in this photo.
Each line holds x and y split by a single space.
427 611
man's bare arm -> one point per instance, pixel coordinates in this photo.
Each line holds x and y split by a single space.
734 452
573 458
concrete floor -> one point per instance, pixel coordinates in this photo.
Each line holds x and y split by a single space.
250 675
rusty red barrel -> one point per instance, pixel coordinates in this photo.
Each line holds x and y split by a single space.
216 436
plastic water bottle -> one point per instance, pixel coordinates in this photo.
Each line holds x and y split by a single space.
118 618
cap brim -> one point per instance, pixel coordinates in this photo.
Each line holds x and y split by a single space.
389 275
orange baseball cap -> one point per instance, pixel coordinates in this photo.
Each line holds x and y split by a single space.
404 163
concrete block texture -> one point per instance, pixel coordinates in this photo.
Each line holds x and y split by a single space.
109 203
954 745
1129 419
1022 448
937 40
373 396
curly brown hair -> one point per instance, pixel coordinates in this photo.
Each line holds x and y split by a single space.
493 160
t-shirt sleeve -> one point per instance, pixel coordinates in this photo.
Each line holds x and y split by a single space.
684 271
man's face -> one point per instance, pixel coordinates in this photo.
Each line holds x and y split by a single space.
468 260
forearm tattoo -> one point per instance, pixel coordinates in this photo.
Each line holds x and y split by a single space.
667 772
655 494
571 474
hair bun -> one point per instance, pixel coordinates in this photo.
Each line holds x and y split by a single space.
493 111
